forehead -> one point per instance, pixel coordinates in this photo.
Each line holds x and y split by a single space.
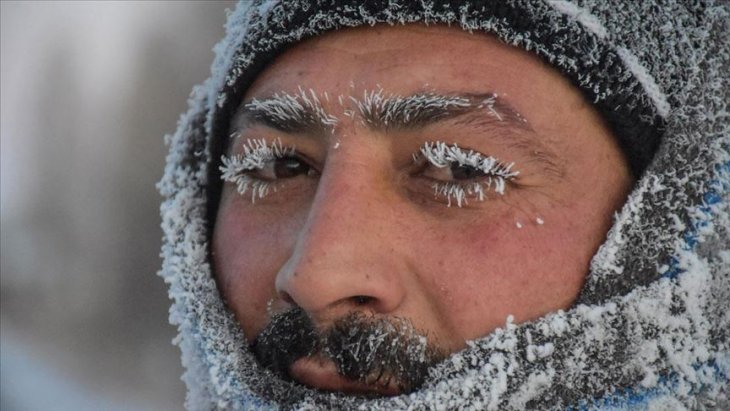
412 58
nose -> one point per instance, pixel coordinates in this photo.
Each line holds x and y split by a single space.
346 256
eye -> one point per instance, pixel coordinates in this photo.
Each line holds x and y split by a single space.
262 167
459 175
282 168
465 172
455 171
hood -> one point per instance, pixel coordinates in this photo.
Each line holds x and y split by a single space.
650 327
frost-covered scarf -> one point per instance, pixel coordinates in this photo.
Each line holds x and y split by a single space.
651 326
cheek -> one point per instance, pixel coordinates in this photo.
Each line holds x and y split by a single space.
248 251
495 269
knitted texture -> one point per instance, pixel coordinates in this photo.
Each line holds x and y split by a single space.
650 327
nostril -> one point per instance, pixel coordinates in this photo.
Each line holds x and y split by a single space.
286 297
362 299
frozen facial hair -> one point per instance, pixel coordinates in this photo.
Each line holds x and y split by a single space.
301 109
379 109
377 351
490 173
304 111
256 154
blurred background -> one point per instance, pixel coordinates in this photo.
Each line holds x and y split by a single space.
88 89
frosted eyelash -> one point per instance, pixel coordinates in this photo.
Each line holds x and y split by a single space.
443 155
256 153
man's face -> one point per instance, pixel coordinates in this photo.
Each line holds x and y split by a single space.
382 191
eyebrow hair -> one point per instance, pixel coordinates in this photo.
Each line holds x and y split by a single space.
419 110
303 113
291 113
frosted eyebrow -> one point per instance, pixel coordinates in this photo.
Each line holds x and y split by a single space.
292 113
420 110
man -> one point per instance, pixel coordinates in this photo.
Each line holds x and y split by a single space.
368 211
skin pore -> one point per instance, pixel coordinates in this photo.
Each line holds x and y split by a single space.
352 219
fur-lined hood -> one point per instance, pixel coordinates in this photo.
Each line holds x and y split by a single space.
650 327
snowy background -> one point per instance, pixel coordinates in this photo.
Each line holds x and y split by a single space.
88 90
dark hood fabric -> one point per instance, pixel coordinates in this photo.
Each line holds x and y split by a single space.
650 327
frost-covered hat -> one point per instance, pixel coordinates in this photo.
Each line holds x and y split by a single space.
651 323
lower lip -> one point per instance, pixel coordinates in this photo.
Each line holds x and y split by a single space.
322 374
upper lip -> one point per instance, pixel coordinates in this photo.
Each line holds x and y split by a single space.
320 373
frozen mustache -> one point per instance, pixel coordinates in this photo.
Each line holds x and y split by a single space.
374 350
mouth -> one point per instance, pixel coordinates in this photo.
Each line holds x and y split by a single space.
321 374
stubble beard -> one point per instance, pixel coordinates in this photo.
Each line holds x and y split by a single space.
377 351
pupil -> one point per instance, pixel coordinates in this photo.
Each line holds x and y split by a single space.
289 167
462 172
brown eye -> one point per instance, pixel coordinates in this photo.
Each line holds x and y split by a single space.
465 172
289 167
453 172
282 168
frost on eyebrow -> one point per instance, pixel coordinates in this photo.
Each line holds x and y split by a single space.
385 111
489 103
381 111
304 112
289 112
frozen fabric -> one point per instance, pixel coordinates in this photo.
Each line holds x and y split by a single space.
649 329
